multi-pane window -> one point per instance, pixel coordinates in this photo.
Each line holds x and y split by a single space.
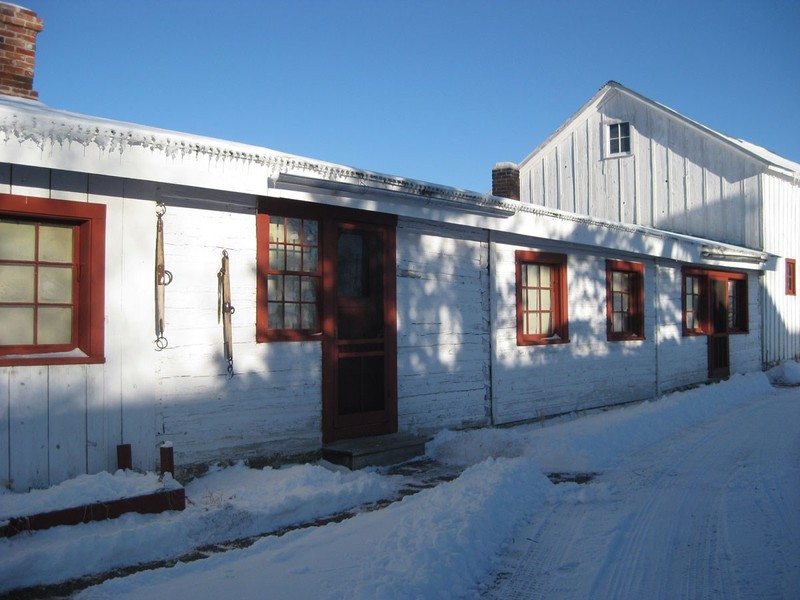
541 298
619 138
625 300
693 313
791 277
52 266
38 274
293 277
737 303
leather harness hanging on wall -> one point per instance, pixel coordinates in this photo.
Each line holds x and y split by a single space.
225 309
163 278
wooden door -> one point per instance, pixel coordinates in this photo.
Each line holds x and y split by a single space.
719 364
359 323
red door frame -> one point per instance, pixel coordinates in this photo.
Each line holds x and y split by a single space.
334 425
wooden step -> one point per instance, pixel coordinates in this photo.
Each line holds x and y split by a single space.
377 451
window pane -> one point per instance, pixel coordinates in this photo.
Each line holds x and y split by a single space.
544 274
624 129
291 288
309 315
274 288
55 325
17 241
294 258
55 285
275 315
532 300
309 289
291 316
532 323
310 233
276 230
55 243
293 229
546 300
547 323
310 259
530 275
16 325
277 258
16 283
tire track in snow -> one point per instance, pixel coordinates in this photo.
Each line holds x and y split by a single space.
683 521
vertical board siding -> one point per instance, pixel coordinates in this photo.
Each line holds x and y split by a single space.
5 428
443 327
781 238
66 417
28 428
676 178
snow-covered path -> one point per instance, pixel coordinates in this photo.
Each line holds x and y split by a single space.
713 512
696 496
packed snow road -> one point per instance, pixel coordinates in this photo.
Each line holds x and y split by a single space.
712 512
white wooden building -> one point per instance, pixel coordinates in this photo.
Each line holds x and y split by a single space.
626 158
364 303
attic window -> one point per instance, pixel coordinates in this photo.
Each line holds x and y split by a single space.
619 138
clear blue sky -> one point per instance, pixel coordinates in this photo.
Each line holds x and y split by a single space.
432 90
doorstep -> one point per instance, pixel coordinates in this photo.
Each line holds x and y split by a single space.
375 451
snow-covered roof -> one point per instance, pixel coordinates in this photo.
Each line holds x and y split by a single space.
38 135
778 163
51 131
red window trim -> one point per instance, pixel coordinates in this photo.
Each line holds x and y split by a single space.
89 325
301 210
705 309
791 277
636 301
560 302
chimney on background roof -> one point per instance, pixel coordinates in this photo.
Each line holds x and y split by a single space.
18 29
505 180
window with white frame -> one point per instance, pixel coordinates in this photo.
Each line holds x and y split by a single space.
619 138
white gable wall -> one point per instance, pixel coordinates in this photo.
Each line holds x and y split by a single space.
676 177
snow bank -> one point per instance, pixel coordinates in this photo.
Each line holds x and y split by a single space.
225 505
598 441
436 544
83 490
787 373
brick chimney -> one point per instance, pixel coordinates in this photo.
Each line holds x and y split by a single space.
18 29
505 180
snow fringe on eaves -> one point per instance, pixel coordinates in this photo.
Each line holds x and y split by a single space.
47 132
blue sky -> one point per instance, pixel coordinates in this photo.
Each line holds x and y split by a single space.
432 90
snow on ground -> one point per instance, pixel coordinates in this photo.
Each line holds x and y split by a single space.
695 496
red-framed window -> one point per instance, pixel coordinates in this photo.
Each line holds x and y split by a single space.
695 314
791 277
624 300
541 284
714 301
52 270
289 274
